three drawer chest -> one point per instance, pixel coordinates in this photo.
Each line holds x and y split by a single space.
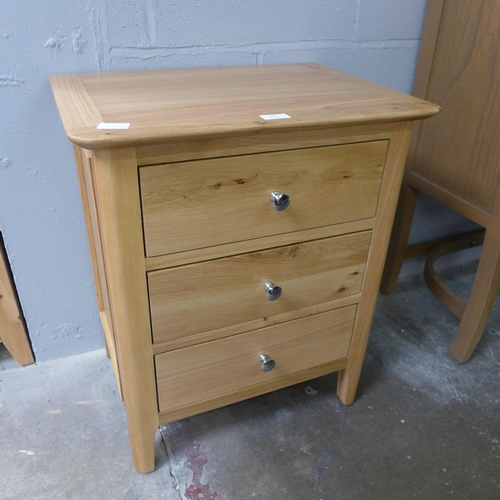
238 221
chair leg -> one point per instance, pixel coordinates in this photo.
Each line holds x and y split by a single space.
399 238
481 300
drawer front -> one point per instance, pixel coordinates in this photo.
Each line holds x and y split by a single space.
211 202
213 369
215 294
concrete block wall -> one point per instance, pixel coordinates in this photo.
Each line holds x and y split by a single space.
40 211
377 40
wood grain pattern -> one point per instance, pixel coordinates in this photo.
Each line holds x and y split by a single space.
76 108
168 105
219 147
13 333
254 324
97 252
212 202
86 192
454 157
239 247
397 250
459 149
83 159
425 63
86 175
117 194
223 366
483 293
216 294
188 185
430 34
396 155
250 392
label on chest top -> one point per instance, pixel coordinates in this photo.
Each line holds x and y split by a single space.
277 116
113 126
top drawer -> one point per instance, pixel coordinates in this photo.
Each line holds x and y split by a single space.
198 204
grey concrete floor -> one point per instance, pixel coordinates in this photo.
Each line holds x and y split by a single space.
423 425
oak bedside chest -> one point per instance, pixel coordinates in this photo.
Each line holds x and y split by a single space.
238 221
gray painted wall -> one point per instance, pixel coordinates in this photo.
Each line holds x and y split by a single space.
40 212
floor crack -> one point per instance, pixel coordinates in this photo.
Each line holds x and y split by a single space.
170 456
492 353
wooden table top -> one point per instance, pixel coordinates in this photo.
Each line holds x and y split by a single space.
167 105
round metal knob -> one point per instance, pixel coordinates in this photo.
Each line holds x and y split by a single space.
273 292
267 363
280 201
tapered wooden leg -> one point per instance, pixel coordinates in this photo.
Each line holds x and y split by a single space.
142 441
117 193
391 182
481 299
399 238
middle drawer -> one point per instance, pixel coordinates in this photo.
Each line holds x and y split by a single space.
214 294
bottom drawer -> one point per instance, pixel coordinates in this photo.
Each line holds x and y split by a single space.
210 370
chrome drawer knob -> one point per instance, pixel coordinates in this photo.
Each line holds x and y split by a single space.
273 292
267 364
280 200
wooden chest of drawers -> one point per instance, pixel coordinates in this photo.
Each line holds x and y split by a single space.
238 220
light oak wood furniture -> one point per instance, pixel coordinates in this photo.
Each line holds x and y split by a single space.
203 212
13 333
455 156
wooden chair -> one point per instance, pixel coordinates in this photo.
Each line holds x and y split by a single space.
455 156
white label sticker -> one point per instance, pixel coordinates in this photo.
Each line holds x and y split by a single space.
278 116
113 126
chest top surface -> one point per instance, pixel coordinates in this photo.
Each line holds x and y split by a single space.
167 105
